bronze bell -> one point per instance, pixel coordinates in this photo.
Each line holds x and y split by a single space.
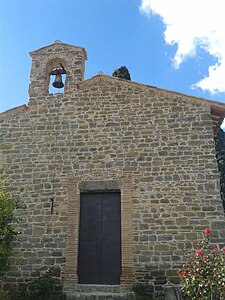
58 81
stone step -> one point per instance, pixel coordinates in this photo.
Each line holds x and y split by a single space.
100 296
102 288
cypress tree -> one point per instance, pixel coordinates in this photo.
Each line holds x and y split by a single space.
122 72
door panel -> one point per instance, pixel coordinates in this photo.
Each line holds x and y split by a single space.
100 239
111 228
90 243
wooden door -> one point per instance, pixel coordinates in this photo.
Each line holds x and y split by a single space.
99 259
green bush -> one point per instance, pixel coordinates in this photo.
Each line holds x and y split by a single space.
203 274
7 206
220 155
140 292
4 294
40 288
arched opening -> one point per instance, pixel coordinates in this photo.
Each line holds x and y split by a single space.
56 70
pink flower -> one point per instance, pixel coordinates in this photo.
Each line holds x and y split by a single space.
223 250
198 252
215 249
184 273
205 259
207 231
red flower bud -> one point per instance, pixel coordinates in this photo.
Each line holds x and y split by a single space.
184 273
205 259
207 231
198 252
223 250
215 249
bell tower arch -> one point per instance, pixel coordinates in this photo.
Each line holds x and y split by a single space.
56 59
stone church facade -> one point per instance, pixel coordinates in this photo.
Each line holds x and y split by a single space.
115 178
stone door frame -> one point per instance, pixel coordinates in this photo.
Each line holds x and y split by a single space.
83 182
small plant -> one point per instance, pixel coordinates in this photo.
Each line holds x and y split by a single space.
41 288
203 275
7 206
141 292
4 295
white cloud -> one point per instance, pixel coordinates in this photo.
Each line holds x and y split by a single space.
191 25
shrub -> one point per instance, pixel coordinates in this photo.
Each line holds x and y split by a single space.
4 294
41 288
7 206
203 274
142 292
220 155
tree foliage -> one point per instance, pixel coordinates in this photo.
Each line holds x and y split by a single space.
122 72
7 231
220 155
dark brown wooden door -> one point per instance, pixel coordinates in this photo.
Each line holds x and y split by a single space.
99 259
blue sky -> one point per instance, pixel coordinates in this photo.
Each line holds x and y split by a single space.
160 41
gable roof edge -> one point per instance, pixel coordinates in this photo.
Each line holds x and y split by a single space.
13 111
146 86
34 52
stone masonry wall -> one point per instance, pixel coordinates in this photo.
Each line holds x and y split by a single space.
159 143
